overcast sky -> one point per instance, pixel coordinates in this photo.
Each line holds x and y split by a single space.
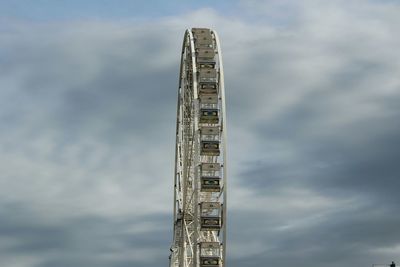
87 120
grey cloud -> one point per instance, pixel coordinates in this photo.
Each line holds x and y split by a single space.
70 113
88 114
76 241
326 124
345 238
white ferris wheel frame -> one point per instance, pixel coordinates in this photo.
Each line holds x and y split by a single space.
185 248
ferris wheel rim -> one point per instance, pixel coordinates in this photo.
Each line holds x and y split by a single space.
225 133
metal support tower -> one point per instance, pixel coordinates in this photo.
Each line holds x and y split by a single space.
200 176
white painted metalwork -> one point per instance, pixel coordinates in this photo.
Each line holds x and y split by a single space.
200 175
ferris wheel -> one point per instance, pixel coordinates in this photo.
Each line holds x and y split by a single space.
200 176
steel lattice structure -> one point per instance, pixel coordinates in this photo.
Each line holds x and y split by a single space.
200 176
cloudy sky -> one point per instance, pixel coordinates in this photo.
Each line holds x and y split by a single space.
87 116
